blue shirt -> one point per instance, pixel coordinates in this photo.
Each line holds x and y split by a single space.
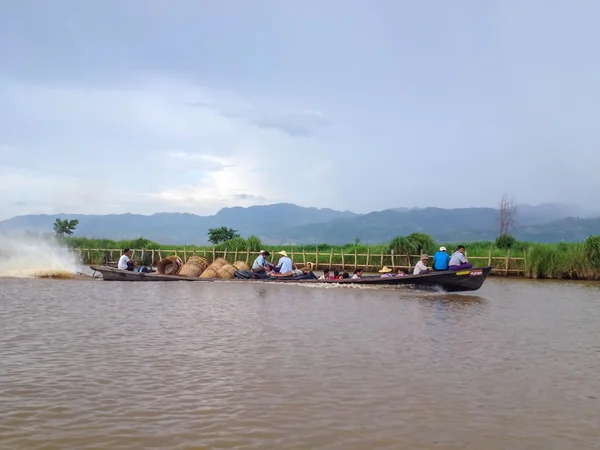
259 262
285 264
441 261
457 259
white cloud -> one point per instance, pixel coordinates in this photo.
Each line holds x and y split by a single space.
139 149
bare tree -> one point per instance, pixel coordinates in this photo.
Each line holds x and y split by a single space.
508 214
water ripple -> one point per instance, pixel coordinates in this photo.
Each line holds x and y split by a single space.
88 365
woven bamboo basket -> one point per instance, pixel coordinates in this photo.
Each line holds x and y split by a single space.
219 262
169 266
176 259
198 259
226 272
192 269
210 272
241 265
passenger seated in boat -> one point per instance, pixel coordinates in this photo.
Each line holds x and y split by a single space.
285 266
400 273
441 260
261 264
421 266
357 274
336 275
458 261
307 268
325 275
345 276
386 272
125 263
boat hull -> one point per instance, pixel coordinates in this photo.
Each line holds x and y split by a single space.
449 281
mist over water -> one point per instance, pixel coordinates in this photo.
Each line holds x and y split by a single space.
31 256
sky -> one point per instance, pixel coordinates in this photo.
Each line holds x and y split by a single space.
150 106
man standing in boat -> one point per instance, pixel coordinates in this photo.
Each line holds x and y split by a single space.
125 263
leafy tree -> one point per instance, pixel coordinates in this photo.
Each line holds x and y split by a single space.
65 227
356 241
222 234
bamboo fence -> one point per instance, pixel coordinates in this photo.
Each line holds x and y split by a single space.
345 261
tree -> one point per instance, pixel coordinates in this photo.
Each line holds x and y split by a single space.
508 215
216 235
63 227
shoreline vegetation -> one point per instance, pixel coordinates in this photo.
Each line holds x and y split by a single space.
576 261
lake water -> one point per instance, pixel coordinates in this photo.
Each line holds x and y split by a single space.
98 365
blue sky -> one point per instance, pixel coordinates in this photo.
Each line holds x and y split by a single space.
146 106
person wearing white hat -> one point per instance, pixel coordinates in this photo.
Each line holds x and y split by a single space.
285 266
441 260
421 266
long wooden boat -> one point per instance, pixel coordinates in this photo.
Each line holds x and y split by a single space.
450 281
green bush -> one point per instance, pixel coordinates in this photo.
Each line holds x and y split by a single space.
238 243
505 241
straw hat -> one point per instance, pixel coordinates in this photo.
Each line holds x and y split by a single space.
282 253
385 269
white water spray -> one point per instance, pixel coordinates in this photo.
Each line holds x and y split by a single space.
35 256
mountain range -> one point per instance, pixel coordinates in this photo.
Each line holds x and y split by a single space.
285 223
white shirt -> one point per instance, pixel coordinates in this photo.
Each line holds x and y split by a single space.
355 276
457 259
123 260
419 267
323 277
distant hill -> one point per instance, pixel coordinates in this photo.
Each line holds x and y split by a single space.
292 224
179 228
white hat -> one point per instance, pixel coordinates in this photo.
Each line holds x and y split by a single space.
442 249
262 251
283 253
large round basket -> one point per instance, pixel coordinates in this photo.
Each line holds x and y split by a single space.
198 259
192 269
210 272
219 262
169 266
226 272
241 265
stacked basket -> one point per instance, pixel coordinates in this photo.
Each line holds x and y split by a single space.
241 265
194 267
211 271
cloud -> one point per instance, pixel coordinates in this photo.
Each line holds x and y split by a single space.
170 110
294 124
137 149
248 197
304 123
